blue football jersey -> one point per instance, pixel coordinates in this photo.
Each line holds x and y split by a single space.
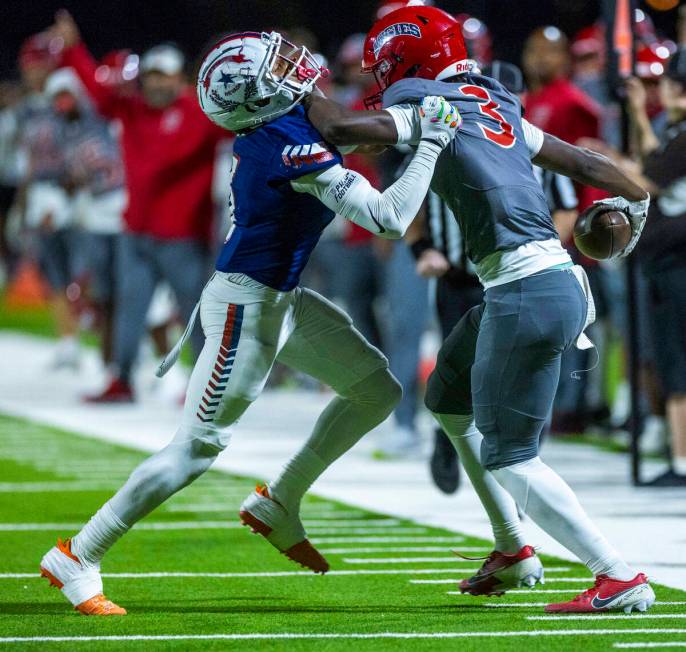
274 227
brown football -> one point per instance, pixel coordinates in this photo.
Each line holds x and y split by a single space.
601 233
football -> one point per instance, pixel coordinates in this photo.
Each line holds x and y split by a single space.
601 232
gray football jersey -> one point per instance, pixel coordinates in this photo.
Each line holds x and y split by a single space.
485 176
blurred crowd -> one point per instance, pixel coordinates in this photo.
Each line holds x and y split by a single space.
114 192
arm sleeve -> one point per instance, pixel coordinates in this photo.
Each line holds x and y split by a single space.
386 214
533 137
407 122
108 102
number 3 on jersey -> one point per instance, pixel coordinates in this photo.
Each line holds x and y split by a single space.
505 137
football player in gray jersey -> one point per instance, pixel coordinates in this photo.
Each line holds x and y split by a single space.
497 372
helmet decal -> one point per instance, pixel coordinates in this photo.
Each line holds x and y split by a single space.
398 29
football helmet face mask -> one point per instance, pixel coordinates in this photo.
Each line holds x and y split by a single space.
414 41
251 78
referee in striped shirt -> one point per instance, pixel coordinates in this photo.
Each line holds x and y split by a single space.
438 247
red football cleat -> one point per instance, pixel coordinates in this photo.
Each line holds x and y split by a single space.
608 594
118 391
502 571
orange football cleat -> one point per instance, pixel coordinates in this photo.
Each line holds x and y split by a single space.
80 583
283 529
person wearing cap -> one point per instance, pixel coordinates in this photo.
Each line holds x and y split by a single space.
169 150
47 205
95 173
662 251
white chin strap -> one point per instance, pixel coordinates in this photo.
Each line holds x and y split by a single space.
458 68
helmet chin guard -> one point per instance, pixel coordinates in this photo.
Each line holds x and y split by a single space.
250 78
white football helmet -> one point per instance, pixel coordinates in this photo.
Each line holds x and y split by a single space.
250 78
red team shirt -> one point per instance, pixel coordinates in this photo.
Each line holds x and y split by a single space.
168 155
565 111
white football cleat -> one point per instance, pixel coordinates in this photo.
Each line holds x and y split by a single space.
284 530
81 584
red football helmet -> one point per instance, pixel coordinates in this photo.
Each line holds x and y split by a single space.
414 41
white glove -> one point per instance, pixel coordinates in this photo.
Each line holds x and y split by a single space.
439 120
636 211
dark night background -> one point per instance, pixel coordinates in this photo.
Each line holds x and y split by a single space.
110 24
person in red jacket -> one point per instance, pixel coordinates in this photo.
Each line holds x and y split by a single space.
169 152
554 104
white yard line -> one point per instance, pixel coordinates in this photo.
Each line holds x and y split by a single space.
171 525
650 644
431 560
436 539
328 514
362 530
547 580
58 485
316 636
407 560
343 551
543 604
191 525
634 616
357 522
404 571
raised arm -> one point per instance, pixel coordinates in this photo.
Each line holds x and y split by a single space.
76 55
587 167
388 214
341 126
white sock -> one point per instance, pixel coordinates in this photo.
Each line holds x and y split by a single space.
499 505
297 477
98 535
552 505
344 421
679 465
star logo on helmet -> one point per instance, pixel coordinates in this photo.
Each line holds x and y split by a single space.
226 79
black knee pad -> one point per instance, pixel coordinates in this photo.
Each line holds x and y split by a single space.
449 389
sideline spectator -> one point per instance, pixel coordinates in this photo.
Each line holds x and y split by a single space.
662 249
10 97
169 153
95 172
48 210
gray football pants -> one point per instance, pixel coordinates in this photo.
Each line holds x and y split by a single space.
142 262
502 362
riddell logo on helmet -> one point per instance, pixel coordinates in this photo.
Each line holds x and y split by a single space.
399 29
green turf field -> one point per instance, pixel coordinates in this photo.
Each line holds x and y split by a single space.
189 571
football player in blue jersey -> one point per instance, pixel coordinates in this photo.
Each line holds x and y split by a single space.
497 372
287 184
